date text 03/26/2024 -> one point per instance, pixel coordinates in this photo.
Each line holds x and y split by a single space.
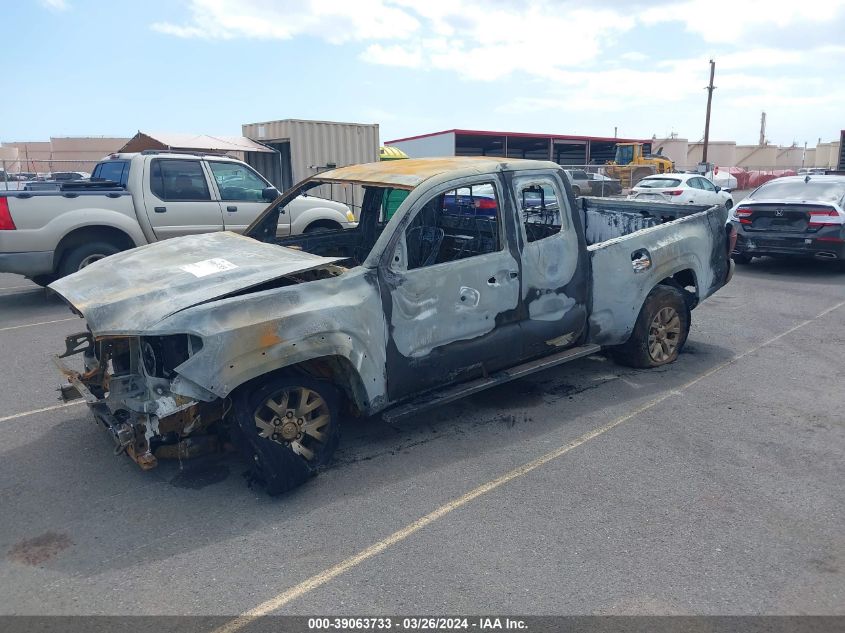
416 624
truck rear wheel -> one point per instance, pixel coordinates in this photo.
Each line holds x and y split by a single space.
289 427
660 332
81 256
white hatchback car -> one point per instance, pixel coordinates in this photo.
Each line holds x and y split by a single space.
691 188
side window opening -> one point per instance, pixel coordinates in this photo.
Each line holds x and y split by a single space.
540 210
237 183
174 180
114 170
454 225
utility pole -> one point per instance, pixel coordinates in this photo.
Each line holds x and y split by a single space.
614 132
710 89
763 129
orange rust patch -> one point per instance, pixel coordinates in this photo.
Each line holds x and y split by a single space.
269 338
39 549
407 174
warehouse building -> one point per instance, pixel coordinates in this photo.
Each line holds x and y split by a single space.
564 149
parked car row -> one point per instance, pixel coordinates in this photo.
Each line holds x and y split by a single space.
25 176
585 183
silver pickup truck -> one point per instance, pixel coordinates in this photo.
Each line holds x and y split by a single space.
135 199
489 270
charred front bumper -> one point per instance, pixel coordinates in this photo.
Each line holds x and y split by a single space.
128 384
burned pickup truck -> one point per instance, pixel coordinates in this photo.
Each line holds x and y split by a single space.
488 270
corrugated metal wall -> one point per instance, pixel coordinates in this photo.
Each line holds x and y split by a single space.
315 144
319 145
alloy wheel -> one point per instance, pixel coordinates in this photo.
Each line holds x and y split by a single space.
297 417
664 334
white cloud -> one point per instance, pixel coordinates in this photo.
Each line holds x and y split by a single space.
55 5
479 40
634 56
487 42
728 20
393 56
333 20
572 58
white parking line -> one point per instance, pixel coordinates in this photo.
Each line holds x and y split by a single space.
30 286
41 410
320 579
15 327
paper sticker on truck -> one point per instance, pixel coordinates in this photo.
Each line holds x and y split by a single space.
208 267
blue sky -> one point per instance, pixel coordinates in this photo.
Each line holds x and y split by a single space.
84 67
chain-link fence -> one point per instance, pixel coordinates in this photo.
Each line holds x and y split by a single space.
606 180
42 174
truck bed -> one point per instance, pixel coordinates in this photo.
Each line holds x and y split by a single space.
42 217
635 245
605 219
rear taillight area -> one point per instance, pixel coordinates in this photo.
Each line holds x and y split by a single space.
672 192
823 216
743 214
6 222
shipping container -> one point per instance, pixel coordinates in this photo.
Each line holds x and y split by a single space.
306 148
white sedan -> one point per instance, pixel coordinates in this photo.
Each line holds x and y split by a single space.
683 188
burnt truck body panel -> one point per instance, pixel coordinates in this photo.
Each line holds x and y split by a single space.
388 310
665 251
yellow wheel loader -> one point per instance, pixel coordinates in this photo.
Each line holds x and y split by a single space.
631 164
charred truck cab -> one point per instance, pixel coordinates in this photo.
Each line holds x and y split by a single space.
488 270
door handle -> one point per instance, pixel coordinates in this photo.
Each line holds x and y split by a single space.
494 280
231 208
160 209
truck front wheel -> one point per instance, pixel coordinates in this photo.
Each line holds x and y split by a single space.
288 427
660 332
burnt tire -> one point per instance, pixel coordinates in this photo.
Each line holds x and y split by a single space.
660 332
283 457
80 256
741 259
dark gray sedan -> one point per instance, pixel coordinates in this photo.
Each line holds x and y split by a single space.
799 216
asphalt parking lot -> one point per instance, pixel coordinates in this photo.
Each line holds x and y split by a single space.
712 486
